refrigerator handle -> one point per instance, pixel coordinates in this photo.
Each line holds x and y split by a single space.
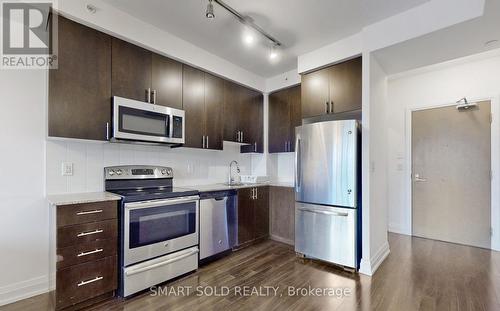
298 167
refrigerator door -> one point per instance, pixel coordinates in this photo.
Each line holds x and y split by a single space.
327 233
326 163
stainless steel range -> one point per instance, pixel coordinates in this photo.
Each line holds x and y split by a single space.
158 226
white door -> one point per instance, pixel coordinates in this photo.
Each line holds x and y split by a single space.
451 165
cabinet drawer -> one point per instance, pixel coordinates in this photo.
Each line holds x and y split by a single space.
78 254
85 281
75 214
95 231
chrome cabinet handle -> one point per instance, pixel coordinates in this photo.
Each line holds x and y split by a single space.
237 136
256 193
203 142
90 232
323 212
331 106
107 130
90 281
327 107
97 211
97 250
419 179
154 96
255 146
206 143
242 136
148 95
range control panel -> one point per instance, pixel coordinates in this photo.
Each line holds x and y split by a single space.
138 172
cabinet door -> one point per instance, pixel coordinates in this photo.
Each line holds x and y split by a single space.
193 91
345 85
279 121
246 219
282 210
167 81
315 93
294 101
131 70
261 212
214 105
80 89
231 110
251 121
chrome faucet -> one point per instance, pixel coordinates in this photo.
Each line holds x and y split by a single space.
231 179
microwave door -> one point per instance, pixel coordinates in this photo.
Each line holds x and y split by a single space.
142 124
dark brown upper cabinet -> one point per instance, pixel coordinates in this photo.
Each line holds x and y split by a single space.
284 116
334 89
145 76
131 71
167 81
203 98
243 111
80 89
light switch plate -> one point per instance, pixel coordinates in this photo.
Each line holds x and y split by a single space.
67 169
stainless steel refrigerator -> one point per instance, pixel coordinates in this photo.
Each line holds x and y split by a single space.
326 191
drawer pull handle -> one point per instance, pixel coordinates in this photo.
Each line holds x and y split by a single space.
97 250
97 211
90 232
90 281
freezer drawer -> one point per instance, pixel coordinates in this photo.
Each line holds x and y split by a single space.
326 233
215 233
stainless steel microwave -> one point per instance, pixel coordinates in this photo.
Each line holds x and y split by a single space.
143 122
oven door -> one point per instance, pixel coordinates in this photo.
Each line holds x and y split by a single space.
139 121
156 228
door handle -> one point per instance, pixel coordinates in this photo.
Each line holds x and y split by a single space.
256 193
98 278
238 136
206 142
90 232
97 211
331 106
304 209
327 107
241 137
203 142
153 92
297 165
419 179
148 95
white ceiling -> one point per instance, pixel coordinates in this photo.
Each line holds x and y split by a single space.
454 42
302 26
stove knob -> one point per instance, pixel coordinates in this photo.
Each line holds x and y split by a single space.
169 171
111 172
118 172
163 171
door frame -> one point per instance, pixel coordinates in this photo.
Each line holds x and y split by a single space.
495 164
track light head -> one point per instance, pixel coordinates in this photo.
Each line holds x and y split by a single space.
210 10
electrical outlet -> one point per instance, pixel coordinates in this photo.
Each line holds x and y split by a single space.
67 169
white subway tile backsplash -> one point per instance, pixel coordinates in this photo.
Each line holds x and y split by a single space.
191 166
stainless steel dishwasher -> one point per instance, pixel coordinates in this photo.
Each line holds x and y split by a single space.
218 223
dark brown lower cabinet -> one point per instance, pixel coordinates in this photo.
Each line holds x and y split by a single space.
253 214
84 252
282 207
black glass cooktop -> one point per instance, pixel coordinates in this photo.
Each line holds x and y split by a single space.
134 195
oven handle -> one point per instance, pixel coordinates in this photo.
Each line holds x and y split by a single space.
154 203
162 263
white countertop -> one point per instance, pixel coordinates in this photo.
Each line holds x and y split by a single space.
79 198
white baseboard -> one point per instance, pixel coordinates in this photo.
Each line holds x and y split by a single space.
24 289
282 240
369 267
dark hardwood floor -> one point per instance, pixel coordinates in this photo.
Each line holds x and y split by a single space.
419 274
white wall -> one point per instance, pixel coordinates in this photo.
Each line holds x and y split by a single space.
374 218
24 214
474 77
191 166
